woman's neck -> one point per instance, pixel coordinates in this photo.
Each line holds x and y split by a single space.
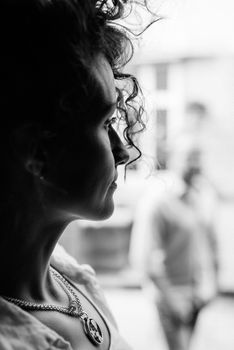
25 258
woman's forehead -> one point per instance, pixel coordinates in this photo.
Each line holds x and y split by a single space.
99 96
104 77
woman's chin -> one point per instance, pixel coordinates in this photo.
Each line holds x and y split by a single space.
93 210
104 212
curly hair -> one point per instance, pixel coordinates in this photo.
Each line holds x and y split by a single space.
48 46
118 49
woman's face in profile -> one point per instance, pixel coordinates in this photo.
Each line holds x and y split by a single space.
84 161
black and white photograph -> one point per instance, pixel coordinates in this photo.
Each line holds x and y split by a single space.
117 174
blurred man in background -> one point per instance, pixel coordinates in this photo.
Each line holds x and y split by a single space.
180 256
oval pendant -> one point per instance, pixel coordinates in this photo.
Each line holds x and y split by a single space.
92 330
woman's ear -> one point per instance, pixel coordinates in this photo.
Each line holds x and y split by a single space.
36 162
30 150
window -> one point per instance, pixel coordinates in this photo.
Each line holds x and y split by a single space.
161 76
161 138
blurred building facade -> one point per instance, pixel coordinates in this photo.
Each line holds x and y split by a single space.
171 85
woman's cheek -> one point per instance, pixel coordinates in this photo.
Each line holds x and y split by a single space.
101 142
97 152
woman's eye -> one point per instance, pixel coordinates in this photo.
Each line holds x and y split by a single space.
110 122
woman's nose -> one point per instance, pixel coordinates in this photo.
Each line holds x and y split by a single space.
122 156
120 152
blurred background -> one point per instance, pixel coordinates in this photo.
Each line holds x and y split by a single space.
171 237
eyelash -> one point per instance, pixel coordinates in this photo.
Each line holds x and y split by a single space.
110 122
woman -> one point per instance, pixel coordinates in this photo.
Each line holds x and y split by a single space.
60 60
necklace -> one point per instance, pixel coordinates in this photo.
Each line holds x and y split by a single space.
91 328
